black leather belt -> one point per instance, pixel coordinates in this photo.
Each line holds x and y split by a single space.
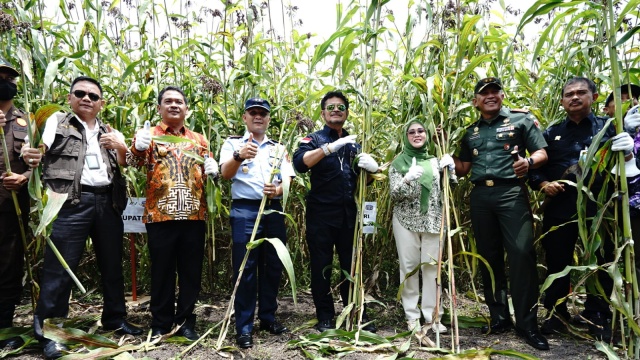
496 182
254 202
96 189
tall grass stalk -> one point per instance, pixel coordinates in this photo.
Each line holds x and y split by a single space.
356 288
626 298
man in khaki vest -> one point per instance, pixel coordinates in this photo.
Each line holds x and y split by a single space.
82 158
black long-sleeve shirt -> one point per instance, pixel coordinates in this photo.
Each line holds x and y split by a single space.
565 142
333 179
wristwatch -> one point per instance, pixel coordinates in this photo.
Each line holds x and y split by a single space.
326 150
236 156
530 161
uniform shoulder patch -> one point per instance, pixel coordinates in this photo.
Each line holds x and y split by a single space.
22 122
305 140
472 124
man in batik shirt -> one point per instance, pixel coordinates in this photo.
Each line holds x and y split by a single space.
174 213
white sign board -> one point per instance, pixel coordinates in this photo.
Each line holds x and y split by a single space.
369 217
132 216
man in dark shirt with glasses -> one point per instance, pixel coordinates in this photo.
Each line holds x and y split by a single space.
331 207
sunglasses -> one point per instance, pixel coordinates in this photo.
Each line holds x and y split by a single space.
258 112
80 94
412 132
331 107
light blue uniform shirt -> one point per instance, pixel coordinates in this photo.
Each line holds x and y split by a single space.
249 180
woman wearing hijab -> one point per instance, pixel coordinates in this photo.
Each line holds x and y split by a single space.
414 178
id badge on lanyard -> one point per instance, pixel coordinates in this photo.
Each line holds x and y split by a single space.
92 161
582 160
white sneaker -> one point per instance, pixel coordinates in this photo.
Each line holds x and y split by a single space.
413 324
435 327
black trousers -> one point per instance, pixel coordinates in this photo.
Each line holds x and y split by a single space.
176 245
93 217
501 221
11 264
322 238
263 270
559 246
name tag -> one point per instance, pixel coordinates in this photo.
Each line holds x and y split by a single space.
92 161
474 136
505 128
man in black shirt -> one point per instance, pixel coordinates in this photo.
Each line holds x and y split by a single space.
567 142
331 207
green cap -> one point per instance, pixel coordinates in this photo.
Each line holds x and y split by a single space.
486 82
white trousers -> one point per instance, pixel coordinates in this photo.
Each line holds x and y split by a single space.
413 249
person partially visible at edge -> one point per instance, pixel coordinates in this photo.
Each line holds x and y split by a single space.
248 161
500 214
331 208
631 125
82 159
567 142
416 194
174 213
14 123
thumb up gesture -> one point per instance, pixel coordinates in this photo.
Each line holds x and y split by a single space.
143 137
414 173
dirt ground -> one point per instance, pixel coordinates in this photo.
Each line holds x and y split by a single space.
389 321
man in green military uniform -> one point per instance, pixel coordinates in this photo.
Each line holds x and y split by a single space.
500 213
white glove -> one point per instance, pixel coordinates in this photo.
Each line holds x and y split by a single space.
622 142
210 166
447 161
366 162
414 172
143 137
630 168
632 121
336 145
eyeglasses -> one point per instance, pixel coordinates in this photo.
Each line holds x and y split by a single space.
80 94
331 107
413 132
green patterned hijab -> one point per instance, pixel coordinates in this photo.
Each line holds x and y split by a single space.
402 163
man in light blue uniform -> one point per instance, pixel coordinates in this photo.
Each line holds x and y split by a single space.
249 162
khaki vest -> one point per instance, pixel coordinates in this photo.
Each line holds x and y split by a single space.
64 161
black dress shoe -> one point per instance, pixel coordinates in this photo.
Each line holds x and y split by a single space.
189 333
244 341
124 328
155 332
370 327
497 327
600 327
324 325
534 339
54 350
11 343
553 325
274 328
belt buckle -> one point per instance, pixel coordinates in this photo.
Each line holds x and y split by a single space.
489 182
